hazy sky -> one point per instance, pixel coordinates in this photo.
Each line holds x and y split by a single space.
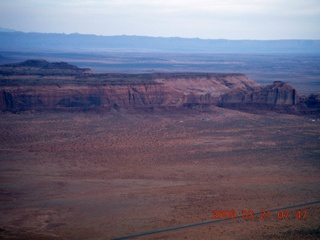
229 19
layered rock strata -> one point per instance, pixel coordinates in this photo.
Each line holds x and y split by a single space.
25 86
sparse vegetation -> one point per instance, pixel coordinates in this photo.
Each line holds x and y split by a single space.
111 175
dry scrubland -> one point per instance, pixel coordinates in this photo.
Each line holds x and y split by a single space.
102 176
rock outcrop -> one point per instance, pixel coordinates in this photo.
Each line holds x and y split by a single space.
81 98
279 93
38 85
42 67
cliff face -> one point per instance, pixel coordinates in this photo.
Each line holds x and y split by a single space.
279 93
82 90
69 97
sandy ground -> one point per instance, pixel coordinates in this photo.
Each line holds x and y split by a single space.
111 175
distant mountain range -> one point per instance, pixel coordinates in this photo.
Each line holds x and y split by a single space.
11 40
7 30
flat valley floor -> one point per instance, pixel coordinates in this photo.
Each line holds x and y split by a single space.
112 175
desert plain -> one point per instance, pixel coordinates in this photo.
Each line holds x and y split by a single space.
110 175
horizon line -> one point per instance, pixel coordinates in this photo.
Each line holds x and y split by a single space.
146 36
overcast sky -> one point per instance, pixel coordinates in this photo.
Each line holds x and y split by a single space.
208 19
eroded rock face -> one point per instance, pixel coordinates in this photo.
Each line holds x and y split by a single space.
132 96
81 97
279 93
82 90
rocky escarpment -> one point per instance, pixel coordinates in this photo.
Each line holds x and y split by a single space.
42 67
278 96
81 98
279 93
156 90
82 90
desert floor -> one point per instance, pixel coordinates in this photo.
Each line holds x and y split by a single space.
111 175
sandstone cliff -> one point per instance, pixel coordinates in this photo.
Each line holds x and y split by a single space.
279 93
25 86
164 90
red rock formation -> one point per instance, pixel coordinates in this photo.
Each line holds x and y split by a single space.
165 90
80 91
70 97
279 93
